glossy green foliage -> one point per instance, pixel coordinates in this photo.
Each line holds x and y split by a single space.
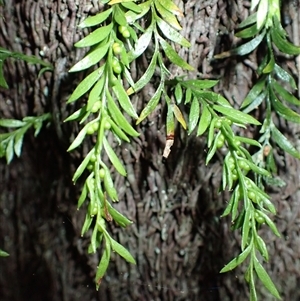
11 142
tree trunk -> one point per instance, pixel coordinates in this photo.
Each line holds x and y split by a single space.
178 238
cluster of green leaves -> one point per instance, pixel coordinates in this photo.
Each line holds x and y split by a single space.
273 89
116 40
31 59
11 142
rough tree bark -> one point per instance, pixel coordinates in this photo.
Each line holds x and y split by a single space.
177 238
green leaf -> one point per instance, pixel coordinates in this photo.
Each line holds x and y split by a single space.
124 100
122 251
246 227
171 33
9 152
283 44
213 149
3 253
255 91
199 85
12 123
178 93
248 141
79 138
131 16
235 115
120 219
270 66
95 20
144 80
95 36
114 158
132 6
171 7
151 105
256 102
109 185
248 32
95 93
103 265
237 261
262 12
167 14
142 43
80 169
19 140
194 115
87 223
211 132
265 278
284 76
3 82
250 20
93 57
86 84
284 94
261 246
118 117
173 56
284 111
179 116
284 143
83 196
119 16
270 223
77 114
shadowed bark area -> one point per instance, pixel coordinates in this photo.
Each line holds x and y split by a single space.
178 238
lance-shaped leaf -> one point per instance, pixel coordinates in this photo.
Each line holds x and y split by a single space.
122 251
92 58
235 115
179 116
199 85
173 56
167 15
194 114
132 6
204 120
284 76
142 43
283 44
144 80
262 12
151 105
95 37
103 265
284 111
95 20
11 123
172 34
109 185
284 94
284 143
124 100
119 218
118 117
170 6
86 84
80 169
114 158
243 49
265 278
237 261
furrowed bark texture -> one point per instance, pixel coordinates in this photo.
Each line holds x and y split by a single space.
178 238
